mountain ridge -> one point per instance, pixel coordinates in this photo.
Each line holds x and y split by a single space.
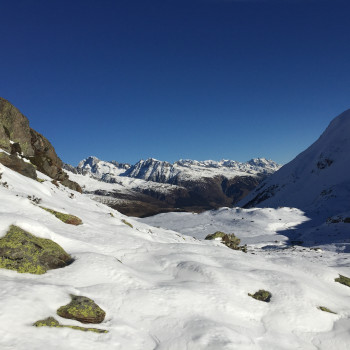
317 179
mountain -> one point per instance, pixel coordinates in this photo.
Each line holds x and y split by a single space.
187 170
317 180
25 150
188 185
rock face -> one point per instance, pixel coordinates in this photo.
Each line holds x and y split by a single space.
16 137
25 253
83 310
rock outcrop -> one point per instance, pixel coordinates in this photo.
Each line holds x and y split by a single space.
18 139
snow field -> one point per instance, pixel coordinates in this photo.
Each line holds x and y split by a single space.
162 289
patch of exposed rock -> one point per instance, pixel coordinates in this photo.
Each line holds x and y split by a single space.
17 138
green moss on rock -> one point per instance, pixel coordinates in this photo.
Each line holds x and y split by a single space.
262 295
25 253
127 223
52 322
66 218
325 309
82 309
230 240
343 280
217 234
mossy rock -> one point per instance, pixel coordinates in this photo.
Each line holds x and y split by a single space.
127 223
25 253
52 322
343 280
217 234
262 295
230 240
66 218
82 309
325 309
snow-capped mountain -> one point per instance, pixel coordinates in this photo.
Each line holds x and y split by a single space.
152 186
317 180
183 170
186 169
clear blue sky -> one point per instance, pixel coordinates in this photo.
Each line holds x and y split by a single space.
170 79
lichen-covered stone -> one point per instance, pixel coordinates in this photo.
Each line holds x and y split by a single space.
343 280
127 223
47 322
52 322
325 309
217 234
230 240
82 309
25 253
66 218
262 295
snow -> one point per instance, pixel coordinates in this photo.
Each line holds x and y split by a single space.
163 289
317 180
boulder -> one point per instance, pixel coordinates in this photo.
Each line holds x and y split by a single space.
25 253
262 295
18 164
83 310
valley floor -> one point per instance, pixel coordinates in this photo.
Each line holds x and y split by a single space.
165 287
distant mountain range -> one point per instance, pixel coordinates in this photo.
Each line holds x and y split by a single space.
187 184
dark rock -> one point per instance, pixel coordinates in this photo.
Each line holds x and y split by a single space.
26 253
16 148
72 185
18 165
262 295
14 126
82 309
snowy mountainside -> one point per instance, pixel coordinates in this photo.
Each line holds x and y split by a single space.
317 180
164 290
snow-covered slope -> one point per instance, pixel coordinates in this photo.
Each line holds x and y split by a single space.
164 290
317 180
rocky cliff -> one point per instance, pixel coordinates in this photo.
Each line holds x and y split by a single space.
25 150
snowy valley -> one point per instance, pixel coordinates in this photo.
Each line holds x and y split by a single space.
157 282
151 186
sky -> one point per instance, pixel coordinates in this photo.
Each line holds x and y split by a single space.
171 79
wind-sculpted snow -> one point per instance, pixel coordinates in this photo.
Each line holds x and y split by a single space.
167 291
317 180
